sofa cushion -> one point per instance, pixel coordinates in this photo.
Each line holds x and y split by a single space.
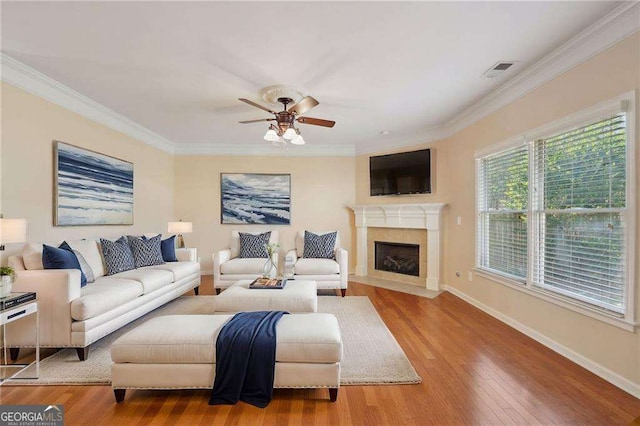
168 249
319 246
151 279
105 294
117 255
62 258
243 266
146 251
32 255
310 266
179 270
90 250
300 241
84 266
235 241
252 245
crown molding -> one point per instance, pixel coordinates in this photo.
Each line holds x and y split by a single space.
614 27
26 78
266 149
606 32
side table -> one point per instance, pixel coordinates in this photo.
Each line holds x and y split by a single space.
10 315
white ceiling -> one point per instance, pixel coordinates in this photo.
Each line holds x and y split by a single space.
178 68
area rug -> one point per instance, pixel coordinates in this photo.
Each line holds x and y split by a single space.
371 354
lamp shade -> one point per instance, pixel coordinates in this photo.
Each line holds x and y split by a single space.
13 231
289 134
180 227
271 135
298 140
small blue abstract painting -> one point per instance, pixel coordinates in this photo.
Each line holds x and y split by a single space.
250 198
91 188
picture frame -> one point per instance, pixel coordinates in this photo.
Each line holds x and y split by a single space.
91 188
255 198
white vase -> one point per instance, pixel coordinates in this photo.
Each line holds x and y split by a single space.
6 282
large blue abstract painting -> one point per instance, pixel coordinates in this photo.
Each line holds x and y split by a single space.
91 188
249 198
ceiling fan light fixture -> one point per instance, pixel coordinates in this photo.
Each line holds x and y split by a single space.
271 136
298 140
289 134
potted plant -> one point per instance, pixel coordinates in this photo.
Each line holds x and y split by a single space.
7 276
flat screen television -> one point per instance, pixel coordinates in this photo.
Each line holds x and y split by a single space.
402 173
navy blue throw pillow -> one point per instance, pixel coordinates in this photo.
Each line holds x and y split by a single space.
168 248
61 258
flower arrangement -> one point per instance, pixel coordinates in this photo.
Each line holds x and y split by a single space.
272 249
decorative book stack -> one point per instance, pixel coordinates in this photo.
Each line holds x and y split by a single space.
15 299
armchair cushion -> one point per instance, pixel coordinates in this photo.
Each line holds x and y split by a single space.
310 266
319 246
254 246
243 266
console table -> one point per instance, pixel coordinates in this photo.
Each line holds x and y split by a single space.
10 315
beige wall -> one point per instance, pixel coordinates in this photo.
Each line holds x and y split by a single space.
322 189
29 125
609 74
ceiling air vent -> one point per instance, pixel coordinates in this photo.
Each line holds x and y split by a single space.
498 69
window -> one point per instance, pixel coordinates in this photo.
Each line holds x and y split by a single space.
553 212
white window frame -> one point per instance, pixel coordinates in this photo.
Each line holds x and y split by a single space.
624 103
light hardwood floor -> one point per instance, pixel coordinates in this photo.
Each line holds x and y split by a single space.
475 370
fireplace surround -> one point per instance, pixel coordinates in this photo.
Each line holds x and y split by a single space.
404 216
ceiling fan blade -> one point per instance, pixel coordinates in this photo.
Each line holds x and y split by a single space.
247 101
256 121
316 121
304 105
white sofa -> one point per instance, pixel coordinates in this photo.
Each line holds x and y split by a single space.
75 316
228 267
327 273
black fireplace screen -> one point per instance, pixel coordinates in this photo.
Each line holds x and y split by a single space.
398 258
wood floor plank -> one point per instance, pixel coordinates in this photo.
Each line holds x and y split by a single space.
475 370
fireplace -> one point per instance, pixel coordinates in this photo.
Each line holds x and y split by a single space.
398 258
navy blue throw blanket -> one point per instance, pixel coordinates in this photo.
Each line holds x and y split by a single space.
246 359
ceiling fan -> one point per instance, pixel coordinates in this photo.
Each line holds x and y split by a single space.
285 129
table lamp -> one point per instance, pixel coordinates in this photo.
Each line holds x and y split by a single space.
180 228
12 231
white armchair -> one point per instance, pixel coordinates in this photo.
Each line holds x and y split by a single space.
229 267
327 273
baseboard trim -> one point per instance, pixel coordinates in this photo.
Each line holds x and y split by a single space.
597 369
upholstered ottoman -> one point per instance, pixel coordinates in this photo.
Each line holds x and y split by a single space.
179 352
296 296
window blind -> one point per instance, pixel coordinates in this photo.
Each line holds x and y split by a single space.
578 213
502 207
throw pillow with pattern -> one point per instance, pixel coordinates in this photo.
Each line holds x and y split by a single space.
146 251
319 246
117 255
252 246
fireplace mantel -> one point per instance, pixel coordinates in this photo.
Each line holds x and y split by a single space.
410 216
